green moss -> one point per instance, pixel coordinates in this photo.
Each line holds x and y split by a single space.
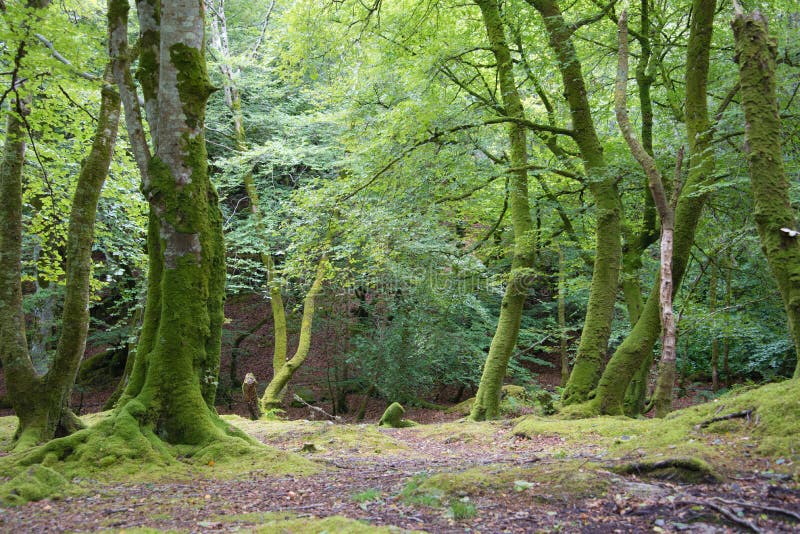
363 438
514 401
332 524
548 481
35 483
393 417
289 523
771 430
194 86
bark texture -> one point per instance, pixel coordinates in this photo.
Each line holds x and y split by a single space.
774 215
487 399
591 355
636 351
41 401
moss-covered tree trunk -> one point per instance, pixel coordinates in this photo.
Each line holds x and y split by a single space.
487 399
592 349
636 350
41 402
173 383
776 220
273 395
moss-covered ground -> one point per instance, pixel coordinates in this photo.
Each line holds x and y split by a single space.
516 475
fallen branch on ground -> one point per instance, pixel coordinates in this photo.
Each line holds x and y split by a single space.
320 410
726 513
737 415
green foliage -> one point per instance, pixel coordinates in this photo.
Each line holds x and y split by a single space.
370 494
461 509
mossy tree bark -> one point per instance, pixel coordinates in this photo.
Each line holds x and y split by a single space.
171 390
636 243
636 350
775 218
592 349
487 399
273 395
662 398
41 402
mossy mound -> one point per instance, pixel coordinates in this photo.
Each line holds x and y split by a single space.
393 417
327 436
117 448
547 482
289 523
465 431
34 483
765 420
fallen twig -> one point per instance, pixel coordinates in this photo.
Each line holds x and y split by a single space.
742 414
725 512
762 507
320 410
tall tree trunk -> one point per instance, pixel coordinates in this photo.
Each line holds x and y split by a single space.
562 318
712 308
487 399
42 402
666 212
592 349
775 218
636 350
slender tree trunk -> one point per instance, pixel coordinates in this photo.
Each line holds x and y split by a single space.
712 308
41 402
637 348
593 346
273 395
775 218
487 400
562 318
726 343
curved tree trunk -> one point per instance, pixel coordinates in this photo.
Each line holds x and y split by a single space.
487 399
273 395
775 218
593 346
637 349
41 402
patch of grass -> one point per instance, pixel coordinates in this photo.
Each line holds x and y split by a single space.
548 481
462 509
770 430
415 492
331 525
367 495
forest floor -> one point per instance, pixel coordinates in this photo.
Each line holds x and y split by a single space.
529 475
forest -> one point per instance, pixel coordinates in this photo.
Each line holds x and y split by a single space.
413 266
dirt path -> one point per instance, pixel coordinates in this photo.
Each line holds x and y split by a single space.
419 479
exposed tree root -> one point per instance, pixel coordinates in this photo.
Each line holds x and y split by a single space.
682 470
729 515
743 414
